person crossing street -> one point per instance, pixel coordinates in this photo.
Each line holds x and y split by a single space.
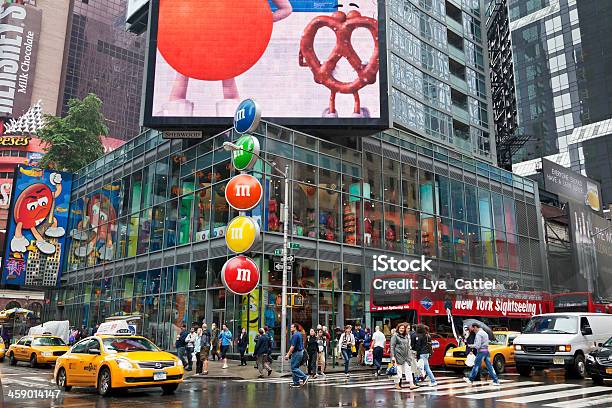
481 344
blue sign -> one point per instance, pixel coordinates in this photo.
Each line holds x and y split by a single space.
310 6
426 303
247 116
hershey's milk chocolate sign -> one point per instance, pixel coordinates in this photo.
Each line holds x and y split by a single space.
19 35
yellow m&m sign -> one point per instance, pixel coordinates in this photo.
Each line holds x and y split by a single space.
242 232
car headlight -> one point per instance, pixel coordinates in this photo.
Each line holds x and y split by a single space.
590 358
46 353
124 363
449 353
178 363
518 347
564 348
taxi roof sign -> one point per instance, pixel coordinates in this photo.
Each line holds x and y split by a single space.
115 327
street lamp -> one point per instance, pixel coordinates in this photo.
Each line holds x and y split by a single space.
229 146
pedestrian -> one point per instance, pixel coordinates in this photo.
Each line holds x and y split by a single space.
180 345
262 347
481 344
322 347
270 335
347 345
424 350
197 350
243 343
214 345
312 348
400 355
367 341
377 347
413 355
296 353
206 341
359 334
225 339
189 348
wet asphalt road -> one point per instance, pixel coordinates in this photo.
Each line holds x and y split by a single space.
550 389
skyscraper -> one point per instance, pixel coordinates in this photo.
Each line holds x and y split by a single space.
104 59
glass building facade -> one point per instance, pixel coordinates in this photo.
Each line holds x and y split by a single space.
154 246
104 59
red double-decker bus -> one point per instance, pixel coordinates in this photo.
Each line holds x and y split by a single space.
580 302
394 300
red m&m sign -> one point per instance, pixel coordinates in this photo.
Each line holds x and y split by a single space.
243 192
240 275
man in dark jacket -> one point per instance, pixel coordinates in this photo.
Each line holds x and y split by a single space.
359 334
181 345
262 347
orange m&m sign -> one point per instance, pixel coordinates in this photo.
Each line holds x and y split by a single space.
243 192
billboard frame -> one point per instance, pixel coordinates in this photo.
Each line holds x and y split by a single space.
331 126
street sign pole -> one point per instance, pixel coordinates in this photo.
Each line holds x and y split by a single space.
284 290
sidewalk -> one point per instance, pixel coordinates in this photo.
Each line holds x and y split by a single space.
236 372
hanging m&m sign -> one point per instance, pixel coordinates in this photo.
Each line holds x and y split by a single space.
243 192
242 232
240 275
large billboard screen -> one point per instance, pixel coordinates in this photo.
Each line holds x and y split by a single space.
571 185
36 230
308 63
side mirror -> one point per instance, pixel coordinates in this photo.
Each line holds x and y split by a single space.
599 344
586 331
94 351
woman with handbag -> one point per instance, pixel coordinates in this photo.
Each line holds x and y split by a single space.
347 347
401 355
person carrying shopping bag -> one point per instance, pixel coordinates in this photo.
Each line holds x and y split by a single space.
347 347
424 350
401 350
481 344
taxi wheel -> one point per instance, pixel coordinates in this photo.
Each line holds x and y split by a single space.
598 380
2 359
104 382
33 361
169 388
61 380
499 363
12 360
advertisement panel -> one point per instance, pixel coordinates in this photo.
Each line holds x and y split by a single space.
18 50
36 230
93 233
592 249
308 63
571 185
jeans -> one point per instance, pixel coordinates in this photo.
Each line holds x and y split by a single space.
425 359
189 353
378 356
181 353
296 360
346 356
242 357
199 362
483 355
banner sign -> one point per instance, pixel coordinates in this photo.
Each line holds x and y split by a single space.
18 52
36 230
571 185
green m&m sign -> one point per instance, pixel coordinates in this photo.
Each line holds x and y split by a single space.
246 157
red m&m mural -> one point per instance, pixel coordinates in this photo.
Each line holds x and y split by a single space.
240 275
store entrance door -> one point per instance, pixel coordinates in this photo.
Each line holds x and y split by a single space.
218 316
326 319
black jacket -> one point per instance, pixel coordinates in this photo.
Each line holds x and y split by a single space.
243 342
262 346
312 345
422 344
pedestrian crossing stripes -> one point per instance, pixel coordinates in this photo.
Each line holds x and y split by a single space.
511 390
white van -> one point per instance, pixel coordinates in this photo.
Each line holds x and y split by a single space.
560 340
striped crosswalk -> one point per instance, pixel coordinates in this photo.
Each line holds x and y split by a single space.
511 390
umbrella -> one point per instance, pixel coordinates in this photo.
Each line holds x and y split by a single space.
487 329
15 311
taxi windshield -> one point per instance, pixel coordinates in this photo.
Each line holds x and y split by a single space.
127 344
48 341
500 339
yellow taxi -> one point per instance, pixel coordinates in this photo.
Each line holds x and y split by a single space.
501 353
2 350
37 349
118 361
